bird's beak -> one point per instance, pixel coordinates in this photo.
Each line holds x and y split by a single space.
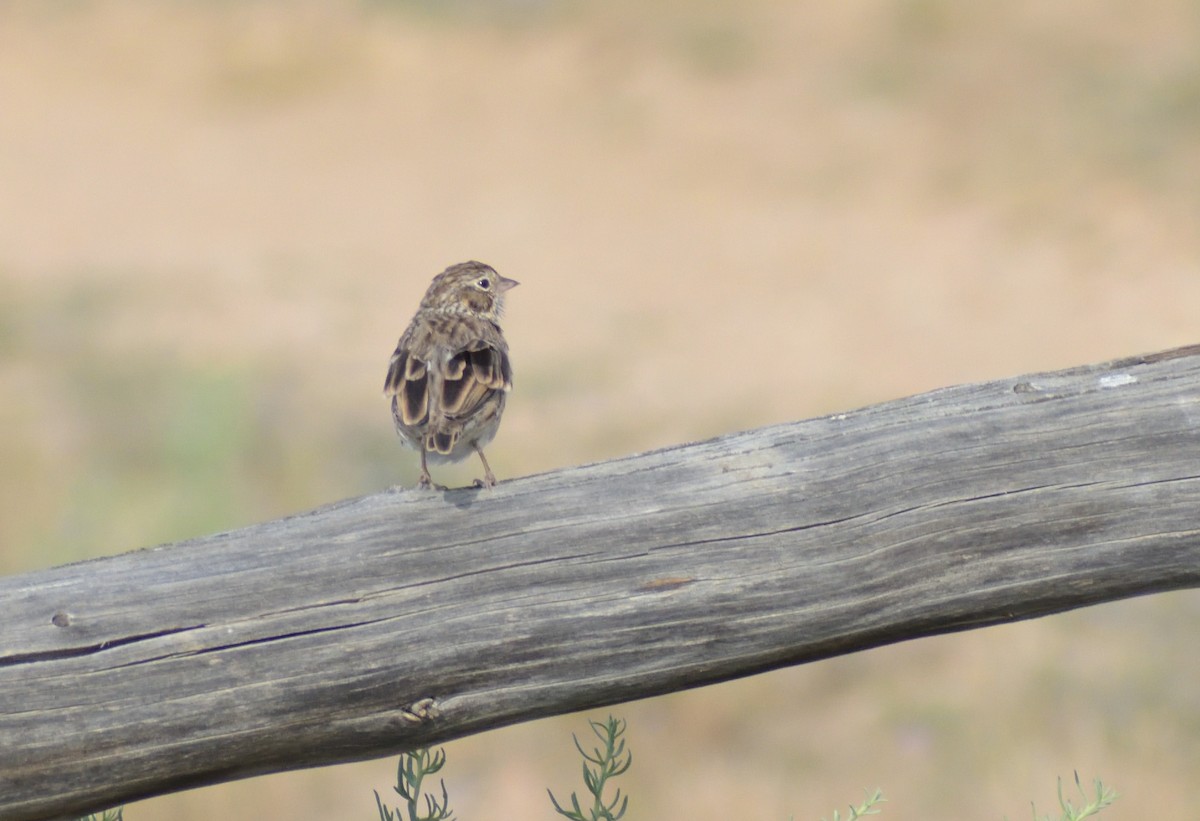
504 283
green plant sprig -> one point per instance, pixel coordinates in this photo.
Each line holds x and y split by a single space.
1103 798
410 773
115 814
867 807
598 767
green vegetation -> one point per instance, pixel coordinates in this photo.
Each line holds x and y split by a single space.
117 814
598 767
867 807
1104 797
414 766
607 761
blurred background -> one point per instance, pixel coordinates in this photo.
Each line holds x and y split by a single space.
216 218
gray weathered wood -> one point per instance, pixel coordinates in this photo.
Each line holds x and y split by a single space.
399 619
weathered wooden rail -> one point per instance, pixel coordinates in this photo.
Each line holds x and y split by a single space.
399 619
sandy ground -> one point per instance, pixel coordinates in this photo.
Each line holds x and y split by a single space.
216 218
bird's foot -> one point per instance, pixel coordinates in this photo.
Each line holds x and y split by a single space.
426 483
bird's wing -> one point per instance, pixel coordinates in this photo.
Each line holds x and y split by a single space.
472 374
408 384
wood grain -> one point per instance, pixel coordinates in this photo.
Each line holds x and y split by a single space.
381 623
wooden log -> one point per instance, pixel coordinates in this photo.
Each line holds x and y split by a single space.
404 618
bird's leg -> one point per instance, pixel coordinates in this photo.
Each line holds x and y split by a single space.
426 480
489 478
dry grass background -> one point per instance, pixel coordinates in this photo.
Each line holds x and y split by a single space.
216 217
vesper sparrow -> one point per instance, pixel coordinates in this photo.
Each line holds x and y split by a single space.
450 374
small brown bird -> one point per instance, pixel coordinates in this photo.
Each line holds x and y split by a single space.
450 375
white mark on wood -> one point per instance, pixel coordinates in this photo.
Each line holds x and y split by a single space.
1116 380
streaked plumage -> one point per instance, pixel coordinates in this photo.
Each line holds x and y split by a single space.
450 374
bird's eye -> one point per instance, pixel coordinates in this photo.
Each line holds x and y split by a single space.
484 283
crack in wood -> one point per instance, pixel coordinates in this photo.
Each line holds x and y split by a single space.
69 652
1149 482
220 648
